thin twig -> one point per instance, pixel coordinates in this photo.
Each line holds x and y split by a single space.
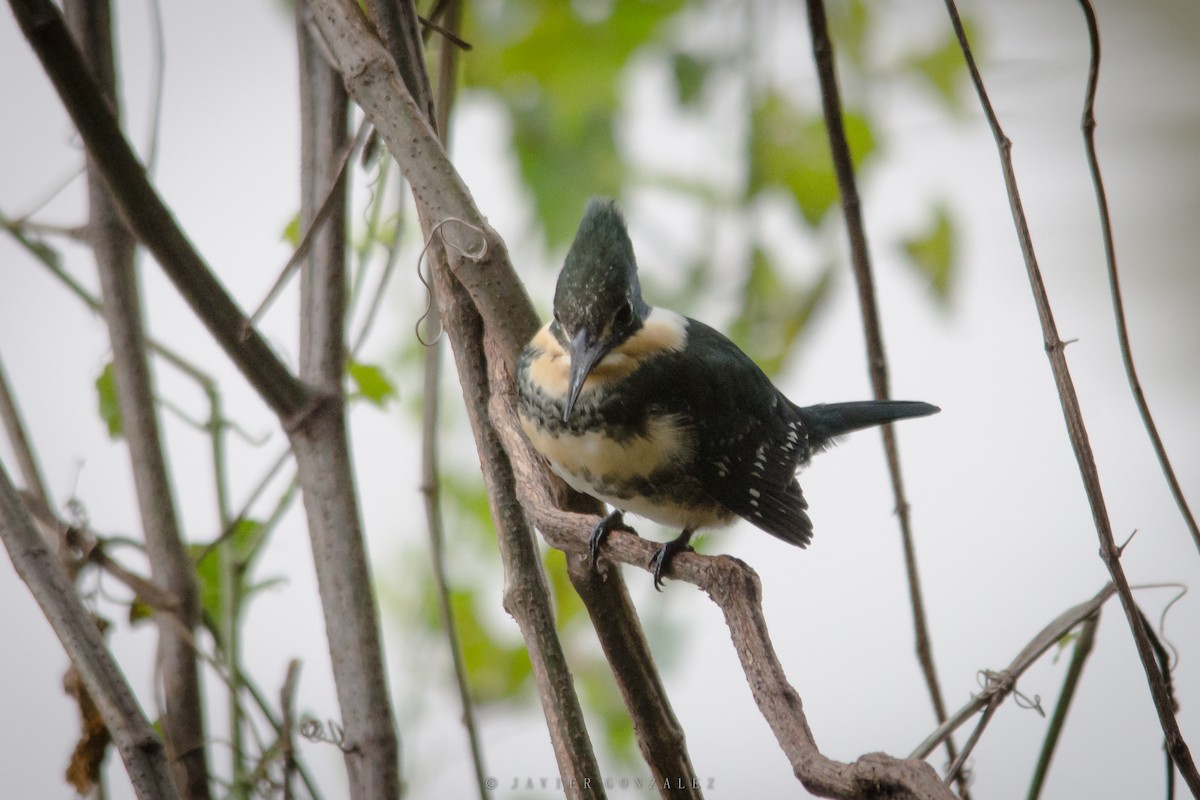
877 363
430 411
1088 126
1046 638
297 257
150 219
1079 657
158 84
18 439
1077 431
287 707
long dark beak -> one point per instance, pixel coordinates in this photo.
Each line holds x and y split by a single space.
585 354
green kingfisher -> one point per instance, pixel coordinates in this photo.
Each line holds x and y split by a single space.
662 416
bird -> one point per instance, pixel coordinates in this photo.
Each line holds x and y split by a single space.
662 416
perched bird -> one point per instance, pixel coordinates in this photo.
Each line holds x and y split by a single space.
662 416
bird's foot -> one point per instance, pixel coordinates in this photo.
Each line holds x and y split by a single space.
613 522
662 558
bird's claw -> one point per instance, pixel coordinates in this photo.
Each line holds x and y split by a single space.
662 557
613 522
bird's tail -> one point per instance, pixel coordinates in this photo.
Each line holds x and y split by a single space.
828 421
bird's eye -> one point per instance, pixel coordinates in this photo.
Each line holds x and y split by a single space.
624 314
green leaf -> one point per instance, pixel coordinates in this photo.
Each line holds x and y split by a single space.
209 585
849 25
942 67
774 314
568 605
495 671
139 611
242 543
789 149
690 76
931 253
291 231
556 68
110 409
371 383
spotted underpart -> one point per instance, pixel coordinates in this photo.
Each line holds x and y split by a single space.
653 433
662 415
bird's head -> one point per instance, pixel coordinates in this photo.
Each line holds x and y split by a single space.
598 302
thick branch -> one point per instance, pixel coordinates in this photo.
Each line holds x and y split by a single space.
510 320
400 32
1175 744
734 587
526 595
321 444
441 196
140 748
143 210
170 567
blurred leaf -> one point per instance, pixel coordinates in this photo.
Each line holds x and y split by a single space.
241 545
139 611
556 68
110 409
943 68
291 232
774 314
371 383
849 26
690 76
209 584
932 253
600 696
790 149
467 495
495 671
567 603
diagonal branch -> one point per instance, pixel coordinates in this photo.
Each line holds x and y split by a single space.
146 214
1175 744
140 747
18 439
1110 257
485 289
735 588
876 357
482 290
170 567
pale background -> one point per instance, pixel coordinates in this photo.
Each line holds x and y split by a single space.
1004 534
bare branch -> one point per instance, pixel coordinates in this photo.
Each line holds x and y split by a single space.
170 567
18 439
1088 126
149 219
1079 657
141 749
321 445
873 332
998 689
1077 431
